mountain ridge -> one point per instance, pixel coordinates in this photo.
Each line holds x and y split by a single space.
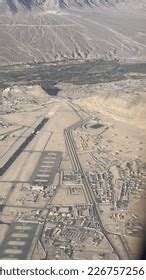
34 31
18 5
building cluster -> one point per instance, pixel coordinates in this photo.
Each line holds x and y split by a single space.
133 227
130 182
36 216
102 185
68 228
72 177
35 192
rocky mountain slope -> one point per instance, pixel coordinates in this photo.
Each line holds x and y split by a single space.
28 4
47 30
15 5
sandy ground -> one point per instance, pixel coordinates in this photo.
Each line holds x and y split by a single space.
120 109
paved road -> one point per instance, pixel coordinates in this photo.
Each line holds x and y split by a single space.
77 167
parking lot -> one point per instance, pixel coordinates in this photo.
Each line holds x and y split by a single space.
46 168
18 241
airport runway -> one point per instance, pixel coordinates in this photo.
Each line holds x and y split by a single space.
7 161
21 144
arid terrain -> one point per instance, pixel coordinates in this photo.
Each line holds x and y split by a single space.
96 133
43 31
72 129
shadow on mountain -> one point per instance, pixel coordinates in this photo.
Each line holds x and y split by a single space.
12 6
24 3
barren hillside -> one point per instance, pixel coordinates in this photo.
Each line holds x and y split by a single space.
15 5
122 100
48 30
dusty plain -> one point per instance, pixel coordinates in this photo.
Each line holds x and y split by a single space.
77 178
72 129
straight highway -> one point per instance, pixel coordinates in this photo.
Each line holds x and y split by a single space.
71 146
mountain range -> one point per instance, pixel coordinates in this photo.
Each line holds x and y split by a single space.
16 5
51 30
